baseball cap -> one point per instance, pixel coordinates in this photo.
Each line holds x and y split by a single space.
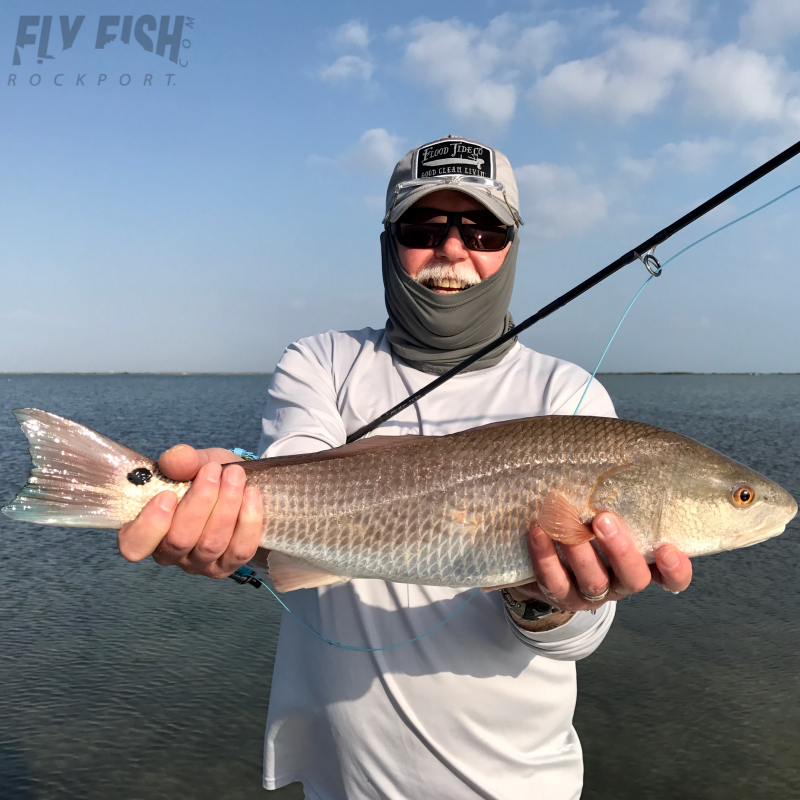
454 162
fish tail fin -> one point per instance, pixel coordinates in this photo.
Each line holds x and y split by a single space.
80 478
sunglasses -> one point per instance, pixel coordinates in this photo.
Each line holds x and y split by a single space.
425 228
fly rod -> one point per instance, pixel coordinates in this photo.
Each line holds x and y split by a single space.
639 253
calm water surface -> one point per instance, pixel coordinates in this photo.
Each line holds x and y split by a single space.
132 681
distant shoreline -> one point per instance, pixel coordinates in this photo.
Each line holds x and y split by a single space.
268 374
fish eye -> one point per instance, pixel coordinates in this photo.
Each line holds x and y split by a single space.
743 496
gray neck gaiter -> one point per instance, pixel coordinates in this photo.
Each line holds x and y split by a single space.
434 332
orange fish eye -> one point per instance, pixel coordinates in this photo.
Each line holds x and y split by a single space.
743 496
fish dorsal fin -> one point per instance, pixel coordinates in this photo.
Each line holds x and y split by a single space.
373 444
289 573
559 519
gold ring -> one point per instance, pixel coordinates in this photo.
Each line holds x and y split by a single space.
596 598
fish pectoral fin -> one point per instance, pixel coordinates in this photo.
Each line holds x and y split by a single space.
289 573
559 519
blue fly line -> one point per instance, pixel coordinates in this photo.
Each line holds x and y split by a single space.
672 258
249 576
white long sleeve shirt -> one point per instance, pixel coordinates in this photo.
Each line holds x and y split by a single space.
477 709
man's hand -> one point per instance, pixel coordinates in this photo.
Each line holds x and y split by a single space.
565 587
213 530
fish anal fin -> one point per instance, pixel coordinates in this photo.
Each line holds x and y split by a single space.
559 519
289 573
521 582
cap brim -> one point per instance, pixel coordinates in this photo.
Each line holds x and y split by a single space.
496 205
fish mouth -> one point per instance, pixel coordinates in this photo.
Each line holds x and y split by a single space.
754 537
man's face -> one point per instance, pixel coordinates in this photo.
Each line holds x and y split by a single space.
450 267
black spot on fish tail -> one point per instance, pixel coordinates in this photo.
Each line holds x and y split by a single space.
140 476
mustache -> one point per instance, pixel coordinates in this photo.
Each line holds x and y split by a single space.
454 276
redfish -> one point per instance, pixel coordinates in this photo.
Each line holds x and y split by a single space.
439 510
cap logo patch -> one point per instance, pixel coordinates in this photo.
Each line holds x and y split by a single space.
454 157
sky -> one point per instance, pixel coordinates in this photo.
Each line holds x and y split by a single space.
208 219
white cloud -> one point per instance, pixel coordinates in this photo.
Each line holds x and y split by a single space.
351 35
688 157
594 16
347 68
694 156
741 86
453 58
765 147
524 48
475 69
632 77
667 12
555 201
376 151
768 23
638 169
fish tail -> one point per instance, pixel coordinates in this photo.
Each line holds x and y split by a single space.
80 478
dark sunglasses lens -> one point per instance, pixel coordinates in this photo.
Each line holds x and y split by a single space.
420 234
476 238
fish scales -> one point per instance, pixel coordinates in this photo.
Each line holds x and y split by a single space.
442 510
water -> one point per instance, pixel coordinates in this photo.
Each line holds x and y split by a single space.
132 681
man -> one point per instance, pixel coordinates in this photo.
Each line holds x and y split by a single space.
481 708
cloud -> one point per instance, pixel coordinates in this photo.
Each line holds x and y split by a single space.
638 169
377 151
555 201
475 69
765 147
739 85
694 156
632 77
451 57
351 35
688 157
347 68
593 16
674 13
768 23
524 48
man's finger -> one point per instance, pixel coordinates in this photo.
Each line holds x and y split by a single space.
552 577
139 538
247 536
590 573
192 513
220 526
631 573
182 461
674 569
